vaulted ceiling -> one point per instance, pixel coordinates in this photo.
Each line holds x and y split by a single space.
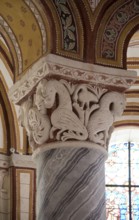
101 32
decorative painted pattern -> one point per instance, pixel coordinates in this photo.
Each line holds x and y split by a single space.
71 182
14 41
40 23
3 132
93 4
26 29
68 25
116 23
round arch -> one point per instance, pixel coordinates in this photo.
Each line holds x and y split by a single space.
120 21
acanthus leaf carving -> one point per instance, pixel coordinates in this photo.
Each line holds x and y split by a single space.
61 111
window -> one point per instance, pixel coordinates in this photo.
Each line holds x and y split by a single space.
122 176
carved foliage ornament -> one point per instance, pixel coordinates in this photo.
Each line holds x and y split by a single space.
62 111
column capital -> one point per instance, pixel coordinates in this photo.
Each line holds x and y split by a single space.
64 100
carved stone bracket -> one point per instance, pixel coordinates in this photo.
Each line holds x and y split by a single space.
64 103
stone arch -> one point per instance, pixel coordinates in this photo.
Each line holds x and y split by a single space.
9 119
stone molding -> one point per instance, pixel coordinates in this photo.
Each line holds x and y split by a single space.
53 66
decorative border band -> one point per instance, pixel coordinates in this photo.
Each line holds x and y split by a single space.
55 66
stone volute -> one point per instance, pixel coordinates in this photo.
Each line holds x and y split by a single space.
68 109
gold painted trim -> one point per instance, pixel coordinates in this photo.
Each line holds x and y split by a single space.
133 58
133 66
12 118
7 66
46 24
123 122
6 50
93 16
31 192
3 149
130 113
132 95
118 62
11 48
129 104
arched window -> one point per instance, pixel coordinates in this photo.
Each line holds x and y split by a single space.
122 175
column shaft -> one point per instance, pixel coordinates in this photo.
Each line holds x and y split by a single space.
71 184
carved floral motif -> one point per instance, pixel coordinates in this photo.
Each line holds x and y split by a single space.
60 111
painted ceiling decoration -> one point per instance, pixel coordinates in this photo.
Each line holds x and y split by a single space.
113 33
23 24
69 27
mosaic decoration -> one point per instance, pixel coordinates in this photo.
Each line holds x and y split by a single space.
114 26
116 23
68 25
122 181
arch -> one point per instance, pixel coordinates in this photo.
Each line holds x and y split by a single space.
8 117
120 20
26 30
68 26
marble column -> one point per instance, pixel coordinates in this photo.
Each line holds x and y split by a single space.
68 109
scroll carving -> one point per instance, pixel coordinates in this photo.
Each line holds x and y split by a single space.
61 111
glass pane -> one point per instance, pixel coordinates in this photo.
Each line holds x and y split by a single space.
134 164
117 203
117 164
135 203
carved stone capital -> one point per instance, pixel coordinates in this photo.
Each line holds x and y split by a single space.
61 103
